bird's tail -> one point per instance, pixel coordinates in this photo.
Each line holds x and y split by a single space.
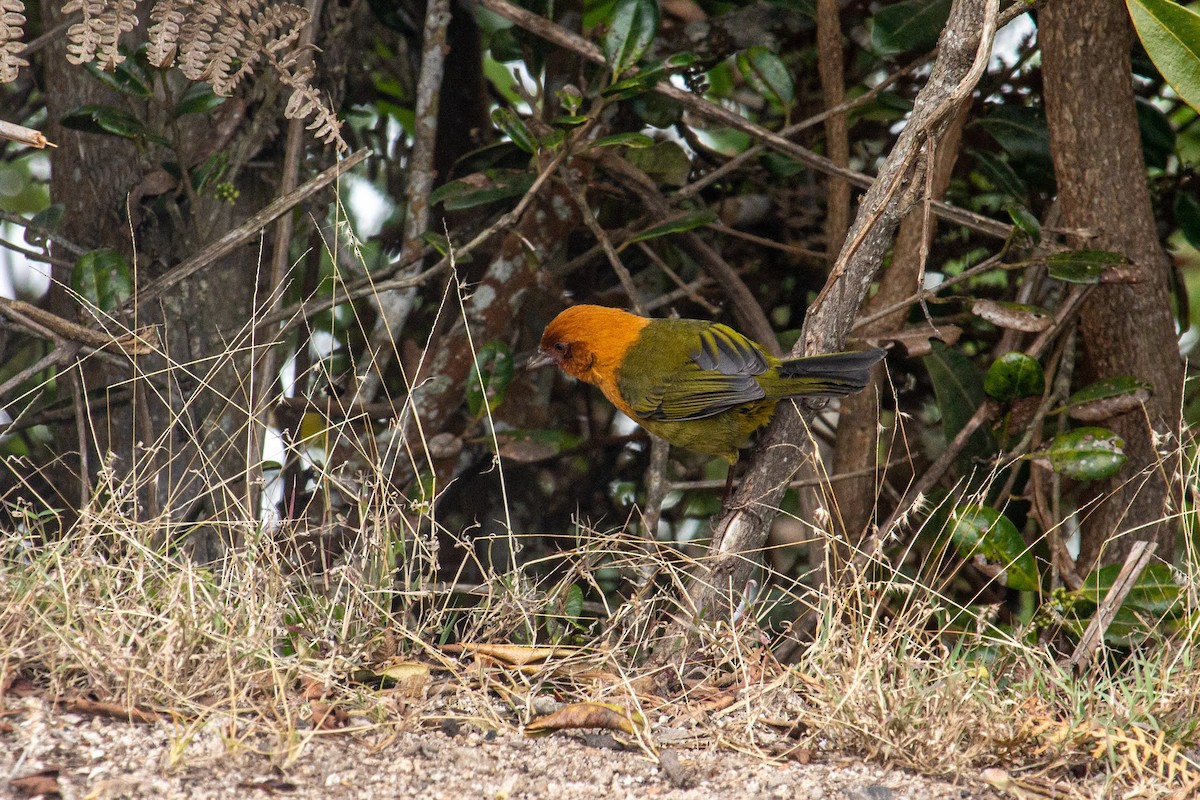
832 374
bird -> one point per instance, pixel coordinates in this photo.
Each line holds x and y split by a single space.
698 384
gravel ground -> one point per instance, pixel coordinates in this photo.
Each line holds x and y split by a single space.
83 756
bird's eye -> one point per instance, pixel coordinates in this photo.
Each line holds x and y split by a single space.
562 348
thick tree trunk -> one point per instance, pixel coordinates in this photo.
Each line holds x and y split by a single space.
1127 329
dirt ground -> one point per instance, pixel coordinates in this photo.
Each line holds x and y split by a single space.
44 750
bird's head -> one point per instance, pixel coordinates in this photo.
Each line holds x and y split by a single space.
584 339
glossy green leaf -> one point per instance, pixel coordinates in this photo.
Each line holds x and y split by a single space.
982 532
199 99
103 277
437 241
999 175
1014 375
766 73
634 140
631 29
958 386
109 121
482 188
1187 217
665 162
1108 398
490 376
1020 130
1083 266
1170 32
678 225
514 127
1158 137
126 77
45 221
637 84
908 26
1025 221
1085 454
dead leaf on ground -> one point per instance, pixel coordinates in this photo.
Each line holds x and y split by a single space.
18 687
327 716
403 677
82 705
607 716
43 783
313 689
515 654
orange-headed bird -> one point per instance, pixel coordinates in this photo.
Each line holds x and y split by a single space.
700 385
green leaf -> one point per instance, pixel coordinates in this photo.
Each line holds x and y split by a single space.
1085 454
677 225
1158 137
481 188
199 99
1187 217
656 110
982 532
958 386
631 29
125 77
1021 131
1108 398
573 603
1083 266
908 26
1155 591
634 140
103 277
437 241
1025 221
109 121
512 125
47 219
490 376
1000 175
525 446
1171 35
768 75
665 162
1014 375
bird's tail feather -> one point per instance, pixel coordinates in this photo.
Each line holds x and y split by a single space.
832 374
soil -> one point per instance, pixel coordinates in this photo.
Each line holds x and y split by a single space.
44 749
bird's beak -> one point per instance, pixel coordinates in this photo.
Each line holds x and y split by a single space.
540 359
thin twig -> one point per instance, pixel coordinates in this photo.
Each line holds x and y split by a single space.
44 233
1135 563
754 152
614 260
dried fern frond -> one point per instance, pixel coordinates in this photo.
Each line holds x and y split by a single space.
167 19
96 36
12 20
306 101
218 41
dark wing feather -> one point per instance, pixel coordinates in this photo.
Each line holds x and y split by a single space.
718 374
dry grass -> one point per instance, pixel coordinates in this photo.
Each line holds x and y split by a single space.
115 612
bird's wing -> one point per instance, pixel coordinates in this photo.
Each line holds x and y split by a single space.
718 374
